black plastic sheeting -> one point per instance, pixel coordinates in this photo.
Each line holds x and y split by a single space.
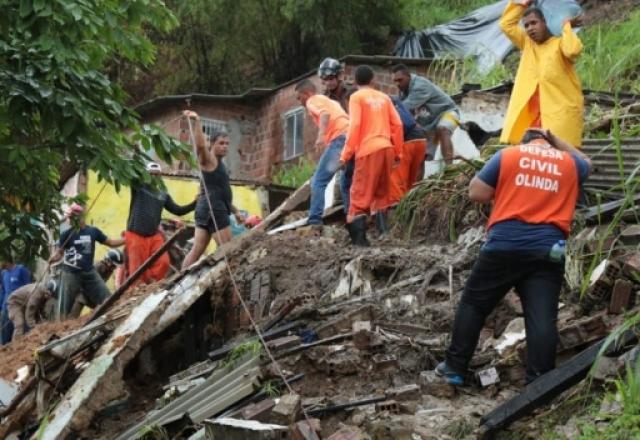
478 34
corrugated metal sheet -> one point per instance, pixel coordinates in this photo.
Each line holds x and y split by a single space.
605 170
221 389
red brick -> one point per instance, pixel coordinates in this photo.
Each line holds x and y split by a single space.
620 296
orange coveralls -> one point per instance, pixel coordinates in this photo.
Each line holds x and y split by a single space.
139 249
406 173
375 139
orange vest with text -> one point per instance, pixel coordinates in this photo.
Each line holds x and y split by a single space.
537 184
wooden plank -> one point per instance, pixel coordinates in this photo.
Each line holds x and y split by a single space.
548 386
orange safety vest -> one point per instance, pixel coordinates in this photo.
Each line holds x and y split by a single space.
537 184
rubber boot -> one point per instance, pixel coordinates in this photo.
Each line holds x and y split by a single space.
381 223
350 230
359 231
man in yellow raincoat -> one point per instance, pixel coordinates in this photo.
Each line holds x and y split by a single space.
547 92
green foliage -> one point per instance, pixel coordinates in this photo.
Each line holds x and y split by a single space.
294 175
625 425
460 429
252 348
271 389
228 46
420 14
451 73
611 56
59 110
154 432
44 422
423 209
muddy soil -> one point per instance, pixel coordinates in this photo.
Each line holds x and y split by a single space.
608 11
20 352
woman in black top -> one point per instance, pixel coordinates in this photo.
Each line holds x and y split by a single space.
217 186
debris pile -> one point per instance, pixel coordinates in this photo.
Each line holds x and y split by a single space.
352 337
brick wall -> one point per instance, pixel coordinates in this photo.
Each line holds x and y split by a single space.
269 138
240 119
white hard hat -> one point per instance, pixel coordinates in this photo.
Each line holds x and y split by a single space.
153 166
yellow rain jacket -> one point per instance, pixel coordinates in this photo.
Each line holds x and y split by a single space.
549 66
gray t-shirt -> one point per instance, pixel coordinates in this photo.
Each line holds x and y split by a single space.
423 94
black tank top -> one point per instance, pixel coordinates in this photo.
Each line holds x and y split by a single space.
218 187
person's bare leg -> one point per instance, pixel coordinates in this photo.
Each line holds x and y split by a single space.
201 240
446 145
223 236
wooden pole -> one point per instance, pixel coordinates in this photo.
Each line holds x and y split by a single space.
102 308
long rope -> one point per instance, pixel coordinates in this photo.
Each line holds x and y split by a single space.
235 285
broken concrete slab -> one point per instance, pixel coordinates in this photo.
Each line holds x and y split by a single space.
259 411
61 348
101 382
236 429
188 290
287 409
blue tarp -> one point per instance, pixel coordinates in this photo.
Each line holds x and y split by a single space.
477 34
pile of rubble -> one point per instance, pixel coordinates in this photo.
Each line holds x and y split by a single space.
352 337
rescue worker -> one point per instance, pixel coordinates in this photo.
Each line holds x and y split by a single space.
143 236
434 110
413 151
105 269
547 91
12 277
534 188
331 75
76 248
332 122
218 189
375 140
27 304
